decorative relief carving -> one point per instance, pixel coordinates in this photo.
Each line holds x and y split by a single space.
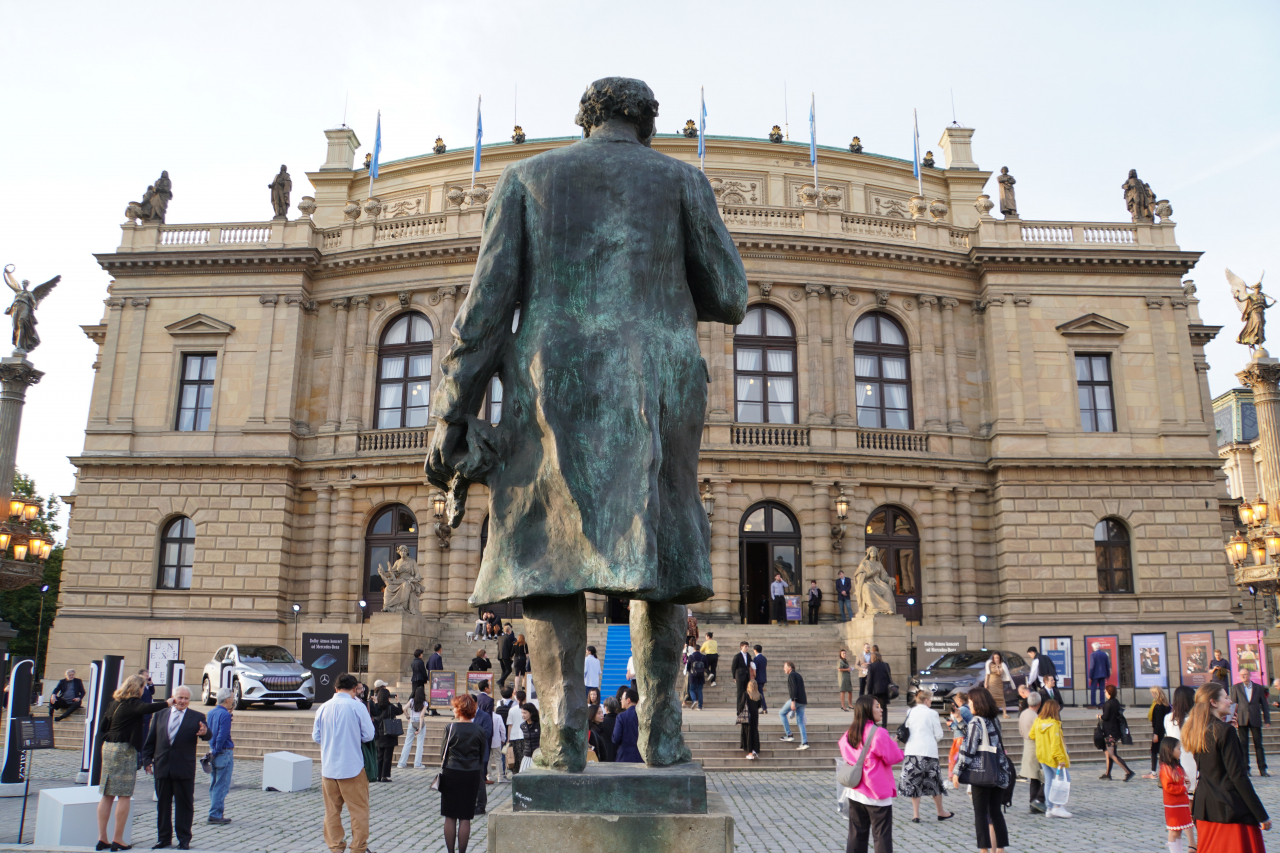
373 207
1021 299
832 197
478 195
360 301
814 290
838 291
795 294
882 298
113 302
949 303
979 307
894 208
766 288
927 301
140 301
1155 302
852 298
1179 303
268 300
405 298
807 195
341 303
352 210
908 305
379 304
917 205
938 209
404 207
455 196
735 192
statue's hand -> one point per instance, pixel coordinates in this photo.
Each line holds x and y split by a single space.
446 442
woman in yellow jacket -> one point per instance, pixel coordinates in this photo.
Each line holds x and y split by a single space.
1046 731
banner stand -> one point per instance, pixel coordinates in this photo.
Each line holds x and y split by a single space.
13 772
90 722
175 676
108 683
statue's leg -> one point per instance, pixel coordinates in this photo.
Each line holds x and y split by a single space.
557 633
657 637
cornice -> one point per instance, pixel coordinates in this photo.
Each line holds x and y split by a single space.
996 259
209 263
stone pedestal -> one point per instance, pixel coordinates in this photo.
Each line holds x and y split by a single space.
890 634
68 817
286 772
16 376
392 637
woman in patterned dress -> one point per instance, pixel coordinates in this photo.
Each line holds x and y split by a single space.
121 741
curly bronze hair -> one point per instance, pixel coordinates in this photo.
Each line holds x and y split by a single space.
616 97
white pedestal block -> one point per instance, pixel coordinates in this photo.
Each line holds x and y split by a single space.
286 771
68 817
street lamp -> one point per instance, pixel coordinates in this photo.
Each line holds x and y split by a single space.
983 620
1237 549
359 649
296 608
842 514
708 500
40 627
911 642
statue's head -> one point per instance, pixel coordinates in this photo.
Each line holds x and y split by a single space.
27 281
283 168
403 550
872 552
1004 170
165 174
618 97
1133 173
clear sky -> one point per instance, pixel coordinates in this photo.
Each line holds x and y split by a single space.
98 98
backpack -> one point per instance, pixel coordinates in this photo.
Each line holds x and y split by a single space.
698 668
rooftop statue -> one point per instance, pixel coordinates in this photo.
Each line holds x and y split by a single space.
1253 305
613 253
280 187
1008 203
1138 197
23 310
155 202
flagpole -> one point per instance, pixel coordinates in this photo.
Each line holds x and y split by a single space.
813 130
373 171
702 132
475 166
919 172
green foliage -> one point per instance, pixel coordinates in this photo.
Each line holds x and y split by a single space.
21 607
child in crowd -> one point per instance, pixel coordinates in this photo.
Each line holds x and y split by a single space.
1173 781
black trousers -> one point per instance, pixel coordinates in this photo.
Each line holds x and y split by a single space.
58 704
870 822
1037 790
176 795
813 613
386 751
712 660
505 674
862 685
1258 754
986 810
780 610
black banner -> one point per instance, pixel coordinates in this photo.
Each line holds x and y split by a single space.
326 656
19 708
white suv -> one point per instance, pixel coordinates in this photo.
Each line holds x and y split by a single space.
258 673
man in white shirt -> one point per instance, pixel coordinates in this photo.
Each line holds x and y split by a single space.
591 670
1033 673
515 735
342 725
778 592
631 672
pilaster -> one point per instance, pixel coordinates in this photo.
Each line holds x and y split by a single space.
840 353
16 376
928 358
1030 381
262 362
1261 375
722 571
292 353
339 595
813 344
951 365
1160 355
942 591
133 357
99 407
968 591
353 395
319 551
337 364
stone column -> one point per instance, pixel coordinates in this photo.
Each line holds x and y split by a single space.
942 589
821 561
16 376
717 405
133 359
262 363
1006 408
813 343
337 364
353 396
840 353
828 361
291 367
722 564
929 356
964 554
459 587
1160 355
1261 375
951 365
1027 359
1191 410
99 408
316 594
338 593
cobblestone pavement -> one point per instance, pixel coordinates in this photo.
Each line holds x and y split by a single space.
775 811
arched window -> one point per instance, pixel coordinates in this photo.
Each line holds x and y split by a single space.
404 372
493 401
764 357
769 543
392 527
882 370
892 531
177 553
1111 545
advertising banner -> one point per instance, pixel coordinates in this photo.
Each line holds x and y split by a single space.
159 653
932 648
1150 660
326 657
474 679
1110 644
793 608
1058 650
1248 652
442 688
1195 650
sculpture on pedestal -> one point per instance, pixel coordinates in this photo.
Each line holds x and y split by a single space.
1253 305
155 202
1008 204
1138 197
592 473
403 584
873 587
23 310
280 187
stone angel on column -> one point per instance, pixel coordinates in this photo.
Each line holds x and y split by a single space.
1253 305
23 310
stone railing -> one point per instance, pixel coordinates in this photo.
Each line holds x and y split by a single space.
877 226
763 218
768 436
893 441
1077 235
412 228
384 440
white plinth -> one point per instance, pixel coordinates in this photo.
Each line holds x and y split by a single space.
286 771
68 817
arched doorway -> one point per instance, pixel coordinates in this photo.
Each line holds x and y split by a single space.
507 609
892 531
768 542
391 527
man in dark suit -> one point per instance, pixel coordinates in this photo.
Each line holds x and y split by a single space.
762 673
1049 690
743 665
506 652
626 731
1252 714
1099 672
417 672
436 661
170 753
844 587
68 694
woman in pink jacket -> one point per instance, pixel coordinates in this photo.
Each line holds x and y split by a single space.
871 802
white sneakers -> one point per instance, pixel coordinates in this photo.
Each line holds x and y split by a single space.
802 746
787 738
1058 811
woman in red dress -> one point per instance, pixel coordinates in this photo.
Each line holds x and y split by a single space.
1229 816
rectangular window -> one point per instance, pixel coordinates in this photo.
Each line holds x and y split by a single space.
1093 386
195 392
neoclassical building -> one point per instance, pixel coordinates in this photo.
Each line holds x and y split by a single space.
1015 411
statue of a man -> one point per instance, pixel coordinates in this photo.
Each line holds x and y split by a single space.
613 252
1138 197
1008 204
873 586
280 188
1253 306
403 584
23 310
161 197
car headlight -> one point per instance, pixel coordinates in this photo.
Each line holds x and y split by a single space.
253 675
305 676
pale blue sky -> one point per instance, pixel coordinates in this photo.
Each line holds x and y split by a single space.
98 98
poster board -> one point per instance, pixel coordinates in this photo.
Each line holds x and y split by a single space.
325 656
475 677
159 653
793 608
1111 645
1195 650
1150 660
1247 650
1058 650
932 648
441 688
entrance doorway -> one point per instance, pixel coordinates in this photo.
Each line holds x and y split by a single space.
615 612
768 544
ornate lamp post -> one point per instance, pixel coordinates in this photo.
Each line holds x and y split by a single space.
842 513
708 500
983 620
443 531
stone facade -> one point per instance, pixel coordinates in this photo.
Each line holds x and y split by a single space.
995 474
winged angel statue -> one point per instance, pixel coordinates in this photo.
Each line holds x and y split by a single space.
1253 304
23 310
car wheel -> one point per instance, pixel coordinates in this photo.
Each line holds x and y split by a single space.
206 694
304 706
240 703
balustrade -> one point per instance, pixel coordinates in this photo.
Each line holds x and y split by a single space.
1047 234
877 226
184 236
410 228
245 234
393 439
763 218
897 442
1100 234
770 436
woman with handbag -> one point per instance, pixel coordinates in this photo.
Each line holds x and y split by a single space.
866 777
531 728
1051 753
461 773
1113 731
749 721
386 722
520 661
920 776
417 728
983 764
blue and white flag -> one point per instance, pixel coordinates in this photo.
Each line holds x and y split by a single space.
475 166
915 148
702 132
377 149
813 134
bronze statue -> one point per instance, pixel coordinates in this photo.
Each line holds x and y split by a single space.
1253 305
1008 204
690 130
23 310
155 202
856 145
403 584
1138 197
280 187
613 252
775 135
872 586
517 135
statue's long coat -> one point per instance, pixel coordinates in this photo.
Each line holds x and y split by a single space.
613 252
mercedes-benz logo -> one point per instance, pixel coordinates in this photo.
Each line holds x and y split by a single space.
324 679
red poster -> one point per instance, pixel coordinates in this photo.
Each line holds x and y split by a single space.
1110 644
1195 650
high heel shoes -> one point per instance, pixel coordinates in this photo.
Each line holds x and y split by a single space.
103 845
117 847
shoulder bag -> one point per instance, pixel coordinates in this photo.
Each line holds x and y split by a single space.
392 727
370 760
435 782
850 775
984 767
904 731
1125 737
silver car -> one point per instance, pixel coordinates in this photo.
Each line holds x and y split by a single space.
958 672
258 673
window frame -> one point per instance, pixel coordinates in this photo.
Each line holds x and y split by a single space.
391 541
764 343
184 383
1091 384
1110 545
880 351
162 563
890 544
486 411
405 353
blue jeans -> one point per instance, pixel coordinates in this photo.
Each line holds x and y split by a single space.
846 609
695 693
786 724
1097 691
1052 777
222 764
